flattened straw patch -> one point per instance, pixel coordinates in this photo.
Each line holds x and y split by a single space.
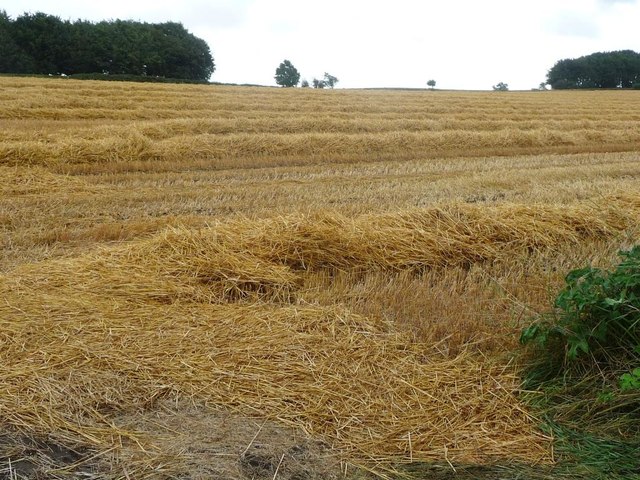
337 376
208 314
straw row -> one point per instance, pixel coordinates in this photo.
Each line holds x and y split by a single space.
264 259
286 124
41 98
134 146
36 180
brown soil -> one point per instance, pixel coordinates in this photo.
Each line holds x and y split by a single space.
194 443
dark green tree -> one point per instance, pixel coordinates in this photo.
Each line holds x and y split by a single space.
41 43
501 87
431 84
12 58
329 80
287 75
619 69
45 39
183 54
89 52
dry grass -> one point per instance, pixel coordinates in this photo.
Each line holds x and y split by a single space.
352 264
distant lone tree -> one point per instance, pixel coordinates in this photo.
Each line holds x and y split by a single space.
620 69
329 80
431 84
304 83
501 87
287 75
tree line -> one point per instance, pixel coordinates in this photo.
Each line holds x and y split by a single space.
44 44
619 69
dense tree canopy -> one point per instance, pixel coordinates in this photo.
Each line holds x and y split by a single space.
44 44
287 75
620 69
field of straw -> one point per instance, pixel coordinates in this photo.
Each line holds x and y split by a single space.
234 282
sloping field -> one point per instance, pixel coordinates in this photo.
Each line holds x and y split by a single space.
352 265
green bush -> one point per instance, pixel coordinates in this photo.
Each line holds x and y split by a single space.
582 375
597 319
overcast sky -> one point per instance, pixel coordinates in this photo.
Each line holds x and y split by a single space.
462 44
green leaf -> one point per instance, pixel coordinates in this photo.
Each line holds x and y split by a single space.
575 345
575 275
629 382
612 302
530 333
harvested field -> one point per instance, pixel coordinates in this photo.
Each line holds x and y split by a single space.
100 128
346 269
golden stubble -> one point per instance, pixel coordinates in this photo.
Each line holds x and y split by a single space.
364 249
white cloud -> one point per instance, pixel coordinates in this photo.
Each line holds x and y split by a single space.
573 24
612 2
